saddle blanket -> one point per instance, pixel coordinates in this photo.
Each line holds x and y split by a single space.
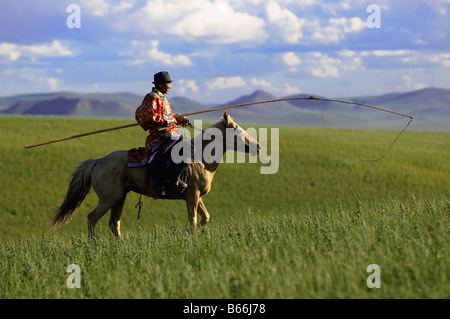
138 157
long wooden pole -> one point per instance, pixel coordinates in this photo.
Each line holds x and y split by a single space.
211 110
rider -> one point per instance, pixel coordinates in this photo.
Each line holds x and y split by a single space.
155 116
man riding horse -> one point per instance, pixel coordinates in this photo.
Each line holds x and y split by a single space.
120 172
155 116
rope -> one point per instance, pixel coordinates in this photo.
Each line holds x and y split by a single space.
139 206
366 160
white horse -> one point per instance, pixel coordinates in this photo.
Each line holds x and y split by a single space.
112 179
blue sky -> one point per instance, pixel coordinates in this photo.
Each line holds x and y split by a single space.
218 50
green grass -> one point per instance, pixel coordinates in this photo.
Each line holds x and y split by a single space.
308 231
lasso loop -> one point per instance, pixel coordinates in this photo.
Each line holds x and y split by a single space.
366 160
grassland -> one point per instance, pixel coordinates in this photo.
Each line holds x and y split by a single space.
308 231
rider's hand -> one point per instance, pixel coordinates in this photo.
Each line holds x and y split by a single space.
182 120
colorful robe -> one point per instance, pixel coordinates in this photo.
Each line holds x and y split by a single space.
155 116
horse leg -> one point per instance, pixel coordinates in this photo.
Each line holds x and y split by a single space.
94 216
203 213
192 204
116 214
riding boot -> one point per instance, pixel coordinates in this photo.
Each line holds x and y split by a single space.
174 174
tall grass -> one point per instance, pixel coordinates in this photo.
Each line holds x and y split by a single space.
323 254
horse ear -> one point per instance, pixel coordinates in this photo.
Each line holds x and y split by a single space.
227 118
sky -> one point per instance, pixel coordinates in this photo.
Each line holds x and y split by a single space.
218 50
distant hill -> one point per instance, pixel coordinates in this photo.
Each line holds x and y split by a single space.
127 98
424 102
72 106
260 95
429 106
87 105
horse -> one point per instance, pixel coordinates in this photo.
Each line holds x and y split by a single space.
112 179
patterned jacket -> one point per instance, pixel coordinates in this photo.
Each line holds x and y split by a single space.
155 116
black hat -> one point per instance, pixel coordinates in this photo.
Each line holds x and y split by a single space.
162 76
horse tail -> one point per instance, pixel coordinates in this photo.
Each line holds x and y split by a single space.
79 187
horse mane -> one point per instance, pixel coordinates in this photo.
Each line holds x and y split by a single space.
215 125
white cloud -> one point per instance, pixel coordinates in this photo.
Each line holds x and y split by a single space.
47 83
418 59
53 49
222 83
102 8
334 8
321 65
294 29
123 5
290 90
336 30
53 84
409 84
11 50
186 86
400 58
325 70
288 25
141 52
420 42
166 58
347 53
201 20
354 24
291 60
443 59
389 52
261 83
94 7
